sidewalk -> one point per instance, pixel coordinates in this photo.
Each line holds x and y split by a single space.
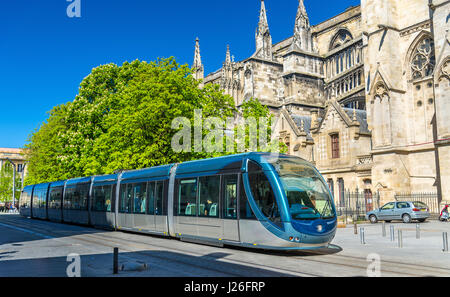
426 251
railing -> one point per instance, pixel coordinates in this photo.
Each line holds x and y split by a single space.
430 199
356 204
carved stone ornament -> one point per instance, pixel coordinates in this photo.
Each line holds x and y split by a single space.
445 70
380 90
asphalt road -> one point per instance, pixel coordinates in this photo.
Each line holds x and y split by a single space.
34 248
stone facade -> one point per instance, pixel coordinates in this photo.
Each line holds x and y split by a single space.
16 156
365 95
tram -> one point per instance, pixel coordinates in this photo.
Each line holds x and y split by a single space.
255 200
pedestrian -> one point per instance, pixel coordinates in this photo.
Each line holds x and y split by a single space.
444 214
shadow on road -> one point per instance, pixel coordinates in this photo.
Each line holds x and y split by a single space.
160 264
332 249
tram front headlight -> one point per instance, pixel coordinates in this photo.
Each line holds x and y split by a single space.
319 228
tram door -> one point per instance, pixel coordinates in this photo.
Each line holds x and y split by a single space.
229 207
209 223
160 218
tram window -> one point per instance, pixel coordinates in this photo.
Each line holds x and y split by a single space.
76 197
159 198
80 197
187 197
125 204
151 198
139 198
263 193
67 203
36 198
102 198
55 198
44 198
209 196
111 207
229 186
245 210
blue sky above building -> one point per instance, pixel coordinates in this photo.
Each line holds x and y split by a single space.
46 54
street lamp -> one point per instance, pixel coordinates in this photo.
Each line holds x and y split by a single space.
14 182
23 173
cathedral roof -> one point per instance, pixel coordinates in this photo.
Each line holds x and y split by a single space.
361 117
306 124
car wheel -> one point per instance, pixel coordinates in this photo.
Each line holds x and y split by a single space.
406 218
373 219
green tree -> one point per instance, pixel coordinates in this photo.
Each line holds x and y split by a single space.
122 119
6 185
253 109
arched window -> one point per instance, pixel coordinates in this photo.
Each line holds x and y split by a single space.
341 37
423 59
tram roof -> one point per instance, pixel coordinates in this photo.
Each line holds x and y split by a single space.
41 186
58 184
232 162
154 172
105 178
80 180
28 188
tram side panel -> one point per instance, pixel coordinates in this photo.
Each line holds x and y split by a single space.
75 208
141 206
39 202
102 205
25 201
55 195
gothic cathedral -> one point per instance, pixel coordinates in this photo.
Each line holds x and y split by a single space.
365 95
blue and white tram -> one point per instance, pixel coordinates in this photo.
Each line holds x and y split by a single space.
256 200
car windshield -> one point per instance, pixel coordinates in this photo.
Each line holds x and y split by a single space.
306 192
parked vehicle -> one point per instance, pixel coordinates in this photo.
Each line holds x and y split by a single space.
405 211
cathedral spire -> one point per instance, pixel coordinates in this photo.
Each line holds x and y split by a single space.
263 37
302 30
263 25
197 57
228 57
301 9
198 66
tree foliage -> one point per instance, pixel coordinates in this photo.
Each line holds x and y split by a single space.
6 185
122 119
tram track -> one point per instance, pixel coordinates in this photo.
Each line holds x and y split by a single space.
145 249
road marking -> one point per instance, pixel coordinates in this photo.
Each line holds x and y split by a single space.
27 231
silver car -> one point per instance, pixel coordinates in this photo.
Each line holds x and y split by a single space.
405 211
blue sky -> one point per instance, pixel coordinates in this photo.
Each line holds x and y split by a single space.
45 54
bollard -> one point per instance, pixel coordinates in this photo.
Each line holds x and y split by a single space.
445 240
418 231
363 239
400 239
355 226
384 229
116 261
392 233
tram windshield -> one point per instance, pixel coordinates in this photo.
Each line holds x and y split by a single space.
306 192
